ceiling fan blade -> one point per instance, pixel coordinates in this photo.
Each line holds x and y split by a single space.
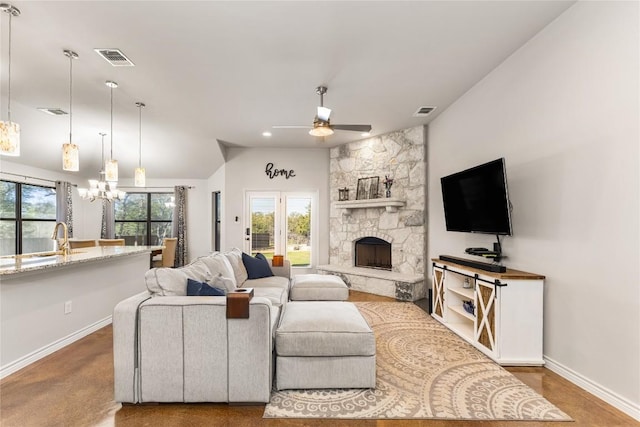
291 127
324 113
356 128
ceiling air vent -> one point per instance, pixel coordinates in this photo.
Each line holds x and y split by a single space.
115 57
53 111
423 111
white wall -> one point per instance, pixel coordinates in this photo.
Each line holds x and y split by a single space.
563 111
245 171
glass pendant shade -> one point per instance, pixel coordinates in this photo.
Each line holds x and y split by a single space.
9 138
70 157
111 170
140 177
321 130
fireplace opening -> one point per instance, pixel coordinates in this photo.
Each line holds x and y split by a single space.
372 252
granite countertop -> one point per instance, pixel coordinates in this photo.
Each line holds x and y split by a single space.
16 264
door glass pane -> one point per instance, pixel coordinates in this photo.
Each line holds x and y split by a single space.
133 233
161 209
36 236
132 207
263 212
7 199
8 237
159 230
299 231
38 202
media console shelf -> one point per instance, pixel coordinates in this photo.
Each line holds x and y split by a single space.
506 324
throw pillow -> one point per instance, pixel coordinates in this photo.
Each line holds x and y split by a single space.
202 289
218 264
224 283
257 267
235 259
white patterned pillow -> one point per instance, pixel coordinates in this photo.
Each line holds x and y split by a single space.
224 283
239 270
173 281
218 264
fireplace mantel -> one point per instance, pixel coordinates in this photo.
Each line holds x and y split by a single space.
390 204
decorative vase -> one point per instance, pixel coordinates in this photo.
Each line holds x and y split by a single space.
388 192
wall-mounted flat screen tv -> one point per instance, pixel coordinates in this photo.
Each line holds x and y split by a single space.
476 200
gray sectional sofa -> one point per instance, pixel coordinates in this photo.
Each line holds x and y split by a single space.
179 348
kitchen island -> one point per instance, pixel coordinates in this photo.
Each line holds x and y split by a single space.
50 300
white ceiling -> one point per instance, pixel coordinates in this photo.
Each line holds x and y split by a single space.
225 72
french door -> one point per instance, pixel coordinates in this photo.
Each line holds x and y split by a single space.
281 223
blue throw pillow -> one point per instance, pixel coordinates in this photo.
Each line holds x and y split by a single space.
257 267
202 289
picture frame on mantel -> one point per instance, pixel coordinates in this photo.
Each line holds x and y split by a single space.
367 188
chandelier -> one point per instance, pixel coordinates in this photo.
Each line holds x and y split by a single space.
101 188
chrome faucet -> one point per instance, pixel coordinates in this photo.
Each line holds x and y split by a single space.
65 242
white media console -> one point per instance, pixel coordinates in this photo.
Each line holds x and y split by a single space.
506 323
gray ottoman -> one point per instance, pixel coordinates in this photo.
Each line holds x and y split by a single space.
318 287
324 345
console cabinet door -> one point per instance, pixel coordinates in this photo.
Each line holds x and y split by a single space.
486 307
438 293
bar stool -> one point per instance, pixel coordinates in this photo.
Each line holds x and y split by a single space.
75 244
111 242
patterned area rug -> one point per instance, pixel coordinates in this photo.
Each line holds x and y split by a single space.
423 371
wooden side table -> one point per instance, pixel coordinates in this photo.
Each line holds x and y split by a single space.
238 303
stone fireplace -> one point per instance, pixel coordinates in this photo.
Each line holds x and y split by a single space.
358 227
372 252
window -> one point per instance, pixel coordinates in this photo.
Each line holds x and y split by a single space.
27 218
282 224
143 218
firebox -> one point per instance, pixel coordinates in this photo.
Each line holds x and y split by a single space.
372 252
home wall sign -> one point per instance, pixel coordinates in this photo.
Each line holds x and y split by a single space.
272 173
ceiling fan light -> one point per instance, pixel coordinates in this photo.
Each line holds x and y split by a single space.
70 157
140 177
321 130
9 138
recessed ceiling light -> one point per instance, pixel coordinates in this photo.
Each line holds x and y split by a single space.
266 133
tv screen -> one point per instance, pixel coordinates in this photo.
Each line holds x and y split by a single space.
476 200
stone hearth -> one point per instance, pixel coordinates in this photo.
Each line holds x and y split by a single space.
401 156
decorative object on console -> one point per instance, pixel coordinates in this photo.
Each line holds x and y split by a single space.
111 166
70 155
140 173
388 182
343 194
367 188
469 307
101 188
9 131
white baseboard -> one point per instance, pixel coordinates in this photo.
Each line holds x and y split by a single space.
36 355
613 399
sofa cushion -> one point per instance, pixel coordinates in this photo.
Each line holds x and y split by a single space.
257 267
218 264
268 282
235 259
173 281
277 296
202 289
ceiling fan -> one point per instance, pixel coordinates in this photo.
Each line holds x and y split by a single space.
321 123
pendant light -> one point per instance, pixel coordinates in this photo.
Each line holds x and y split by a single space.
140 173
70 154
9 131
111 166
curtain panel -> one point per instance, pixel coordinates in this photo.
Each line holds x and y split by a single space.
64 204
179 224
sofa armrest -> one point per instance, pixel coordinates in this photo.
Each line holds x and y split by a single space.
250 353
284 271
125 344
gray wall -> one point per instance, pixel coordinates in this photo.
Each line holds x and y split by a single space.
563 111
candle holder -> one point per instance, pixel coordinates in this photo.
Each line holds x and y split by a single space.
343 194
